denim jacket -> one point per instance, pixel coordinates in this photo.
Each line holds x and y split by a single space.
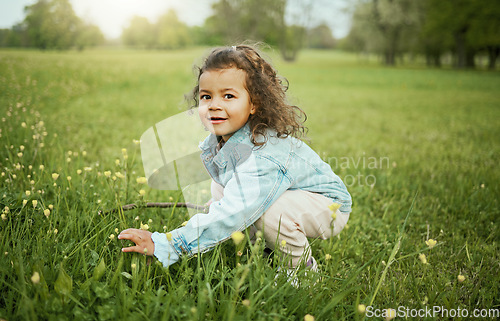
253 178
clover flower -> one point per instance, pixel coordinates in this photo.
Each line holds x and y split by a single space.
142 180
237 237
35 278
431 243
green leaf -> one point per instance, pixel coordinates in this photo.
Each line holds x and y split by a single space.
127 275
99 270
64 283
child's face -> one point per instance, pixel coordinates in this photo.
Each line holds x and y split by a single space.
224 101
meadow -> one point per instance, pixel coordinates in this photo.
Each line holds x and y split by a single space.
417 148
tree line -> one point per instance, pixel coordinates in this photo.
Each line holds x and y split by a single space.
432 28
393 29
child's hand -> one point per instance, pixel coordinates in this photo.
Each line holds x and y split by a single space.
142 239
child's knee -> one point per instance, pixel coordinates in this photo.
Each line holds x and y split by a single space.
339 222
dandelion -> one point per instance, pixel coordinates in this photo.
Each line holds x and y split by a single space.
361 308
34 202
461 278
334 207
46 212
237 237
308 317
169 236
246 302
55 176
142 180
41 167
119 175
68 178
28 193
112 237
144 226
107 173
35 278
142 192
283 243
422 258
390 314
431 243
328 257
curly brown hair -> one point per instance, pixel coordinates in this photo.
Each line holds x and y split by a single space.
266 90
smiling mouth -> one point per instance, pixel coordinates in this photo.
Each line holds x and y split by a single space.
216 120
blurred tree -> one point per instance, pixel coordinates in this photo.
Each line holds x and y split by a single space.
321 37
88 35
260 20
171 33
140 33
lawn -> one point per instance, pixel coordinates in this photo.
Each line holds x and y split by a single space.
417 148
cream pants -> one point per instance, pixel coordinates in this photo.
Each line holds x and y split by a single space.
293 217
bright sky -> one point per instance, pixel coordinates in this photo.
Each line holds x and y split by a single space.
113 15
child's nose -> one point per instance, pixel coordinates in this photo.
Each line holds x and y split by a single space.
214 105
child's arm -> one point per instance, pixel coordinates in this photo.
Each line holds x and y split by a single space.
142 239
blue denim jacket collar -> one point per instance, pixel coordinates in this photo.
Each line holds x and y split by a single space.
220 158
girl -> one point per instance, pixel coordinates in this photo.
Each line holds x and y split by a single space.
262 174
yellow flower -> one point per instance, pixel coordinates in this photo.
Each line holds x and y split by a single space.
68 159
6 209
117 162
422 258
390 314
184 223
144 226
21 148
142 180
87 169
461 278
116 229
84 153
308 317
112 237
68 178
361 308
169 236
328 257
19 154
28 193
24 202
42 167
283 243
46 212
35 278
136 142
142 192
51 207
431 243
55 176
237 237
124 151
4 217
119 175
56 231
23 125
334 216
34 202
107 173
133 265
246 302
78 171
334 207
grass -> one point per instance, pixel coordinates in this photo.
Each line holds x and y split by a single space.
418 149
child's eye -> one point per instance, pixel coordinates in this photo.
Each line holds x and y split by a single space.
228 96
204 97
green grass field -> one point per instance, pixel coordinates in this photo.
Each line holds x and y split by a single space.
413 145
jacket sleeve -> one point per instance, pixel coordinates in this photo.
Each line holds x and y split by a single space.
253 187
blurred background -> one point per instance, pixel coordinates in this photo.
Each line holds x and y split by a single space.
456 33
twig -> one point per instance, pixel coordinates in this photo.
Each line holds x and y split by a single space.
157 205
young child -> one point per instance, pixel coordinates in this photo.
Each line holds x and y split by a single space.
262 174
